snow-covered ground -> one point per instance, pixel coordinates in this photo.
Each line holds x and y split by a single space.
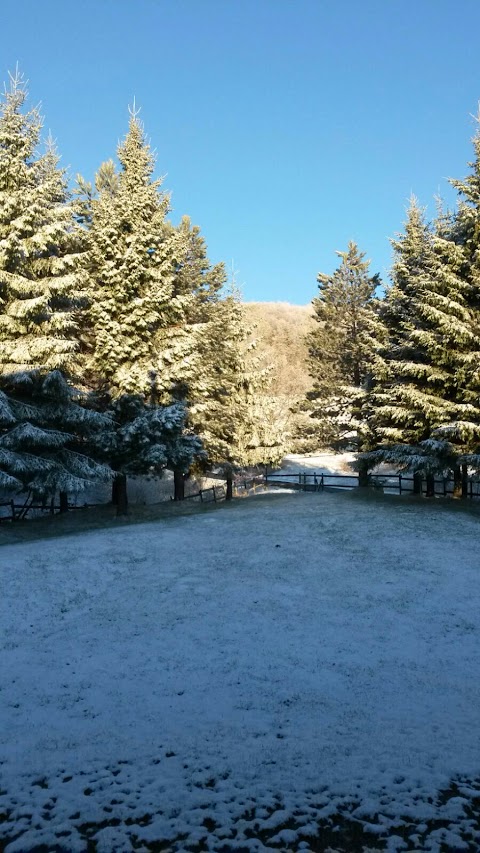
239 675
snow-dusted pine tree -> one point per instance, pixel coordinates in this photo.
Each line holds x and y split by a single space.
342 350
46 435
145 440
464 231
42 283
236 427
420 396
41 294
133 258
138 335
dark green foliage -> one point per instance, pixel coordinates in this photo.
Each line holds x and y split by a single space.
46 435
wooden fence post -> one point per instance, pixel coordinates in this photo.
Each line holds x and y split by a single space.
430 486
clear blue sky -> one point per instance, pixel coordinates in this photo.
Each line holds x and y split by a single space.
284 127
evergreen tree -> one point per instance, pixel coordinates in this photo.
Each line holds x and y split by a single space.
139 342
146 438
421 404
227 411
342 349
46 434
44 431
41 279
134 255
219 374
464 231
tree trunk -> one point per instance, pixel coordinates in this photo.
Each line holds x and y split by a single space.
417 483
178 486
457 482
114 492
63 502
229 492
363 475
430 483
121 492
464 481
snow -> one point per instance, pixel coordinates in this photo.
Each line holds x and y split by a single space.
284 658
322 463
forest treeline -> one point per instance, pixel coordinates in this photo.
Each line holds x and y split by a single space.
397 376
395 367
124 350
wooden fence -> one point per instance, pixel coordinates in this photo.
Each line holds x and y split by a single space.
20 511
12 511
305 481
389 483
214 493
241 486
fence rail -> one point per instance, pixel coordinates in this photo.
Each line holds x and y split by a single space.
218 493
20 511
391 483
305 481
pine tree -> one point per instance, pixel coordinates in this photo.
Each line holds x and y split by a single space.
134 255
219 375
139 340
342 349
420 397
227 410
44 431
146 439
464 231
41 278
46 434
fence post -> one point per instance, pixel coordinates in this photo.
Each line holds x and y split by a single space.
321 482
400 484
417 483
201 495
363 476
12 504
214 494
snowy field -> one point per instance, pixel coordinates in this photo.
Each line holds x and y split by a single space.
293 672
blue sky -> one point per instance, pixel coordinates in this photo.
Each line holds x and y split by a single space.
285 128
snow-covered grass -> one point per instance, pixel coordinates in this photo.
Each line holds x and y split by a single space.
236 679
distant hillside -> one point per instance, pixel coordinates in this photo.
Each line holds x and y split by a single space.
280 330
